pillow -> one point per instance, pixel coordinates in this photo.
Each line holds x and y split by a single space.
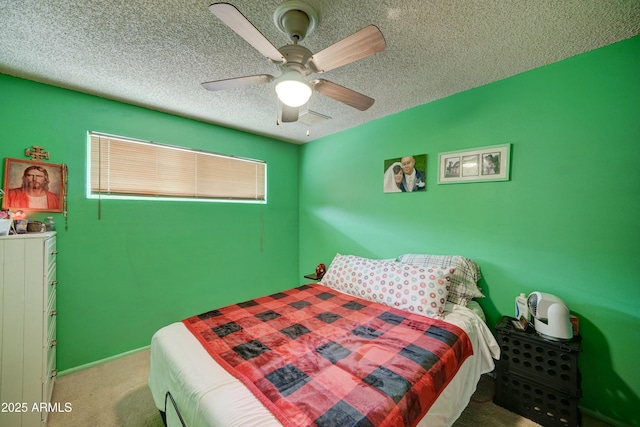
464 281
417 289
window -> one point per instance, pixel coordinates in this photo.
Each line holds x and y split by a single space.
125 168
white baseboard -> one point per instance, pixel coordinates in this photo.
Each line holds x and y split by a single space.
101 361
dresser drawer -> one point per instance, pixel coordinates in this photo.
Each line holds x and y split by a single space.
51 298
51 274
50 372
50 294
50 327
50 252
49 288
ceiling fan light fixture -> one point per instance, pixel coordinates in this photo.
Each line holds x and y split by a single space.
293 90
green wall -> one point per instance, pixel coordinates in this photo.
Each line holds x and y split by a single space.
566 223
146 264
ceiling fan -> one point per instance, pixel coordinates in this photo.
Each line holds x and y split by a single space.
298 19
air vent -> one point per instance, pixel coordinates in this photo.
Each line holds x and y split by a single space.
311 118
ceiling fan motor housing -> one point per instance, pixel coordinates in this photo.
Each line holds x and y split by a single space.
296 23
297 58
296 19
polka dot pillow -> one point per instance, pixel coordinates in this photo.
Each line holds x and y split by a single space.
464 281
417 289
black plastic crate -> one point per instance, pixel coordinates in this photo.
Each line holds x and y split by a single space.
553 363
536 402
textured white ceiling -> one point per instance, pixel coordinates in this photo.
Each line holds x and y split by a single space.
156 53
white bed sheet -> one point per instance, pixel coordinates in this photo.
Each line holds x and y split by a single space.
208 396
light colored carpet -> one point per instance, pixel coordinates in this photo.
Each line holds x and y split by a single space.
115 394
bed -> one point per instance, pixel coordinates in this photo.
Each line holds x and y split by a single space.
192 388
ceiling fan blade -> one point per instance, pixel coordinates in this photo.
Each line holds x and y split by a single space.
361 44
237 82
342 94
235 20
289 114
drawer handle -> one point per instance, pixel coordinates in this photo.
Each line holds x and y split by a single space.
54 373
54 343
53 313
53 282
54 252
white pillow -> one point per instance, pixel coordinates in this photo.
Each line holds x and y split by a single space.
417 289
464 281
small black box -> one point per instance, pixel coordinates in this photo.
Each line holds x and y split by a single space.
541 404
550 363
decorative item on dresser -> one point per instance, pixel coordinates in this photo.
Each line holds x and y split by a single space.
27 327
538 378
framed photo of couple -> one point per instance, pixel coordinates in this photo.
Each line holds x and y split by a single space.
490 163
406 174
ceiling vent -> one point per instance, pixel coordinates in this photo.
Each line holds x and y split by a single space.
311 118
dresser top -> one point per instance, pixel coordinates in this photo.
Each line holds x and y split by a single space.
45 235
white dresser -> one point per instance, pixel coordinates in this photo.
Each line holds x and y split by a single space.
27 327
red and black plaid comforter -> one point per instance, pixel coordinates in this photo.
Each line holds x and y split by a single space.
313 355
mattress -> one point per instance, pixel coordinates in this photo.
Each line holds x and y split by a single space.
205 394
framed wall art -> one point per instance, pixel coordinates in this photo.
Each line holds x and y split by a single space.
481 164
33 186
405 174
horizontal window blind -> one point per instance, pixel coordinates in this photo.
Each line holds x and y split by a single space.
125 167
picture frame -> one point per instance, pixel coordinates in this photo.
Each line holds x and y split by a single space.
491 163
33 186
406 174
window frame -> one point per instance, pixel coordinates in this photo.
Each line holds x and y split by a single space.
97 194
